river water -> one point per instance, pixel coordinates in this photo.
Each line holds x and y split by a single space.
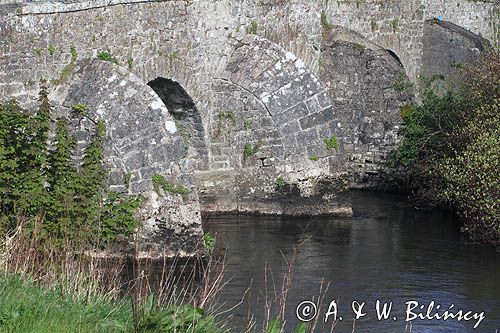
389 251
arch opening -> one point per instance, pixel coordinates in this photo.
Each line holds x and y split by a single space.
395 56
188 119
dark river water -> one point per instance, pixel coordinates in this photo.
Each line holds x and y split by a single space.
389 251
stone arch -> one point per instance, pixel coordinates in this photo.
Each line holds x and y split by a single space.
368 86
447 46
142 140
295 101
187 117
272 131
395 56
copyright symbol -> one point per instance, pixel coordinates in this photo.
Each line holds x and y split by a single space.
306 311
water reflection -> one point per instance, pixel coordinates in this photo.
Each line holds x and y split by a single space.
388 251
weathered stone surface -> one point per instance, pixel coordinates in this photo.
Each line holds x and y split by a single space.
274 83
362 80
141 140
447 46
268 135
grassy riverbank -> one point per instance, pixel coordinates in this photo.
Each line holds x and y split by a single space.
26 307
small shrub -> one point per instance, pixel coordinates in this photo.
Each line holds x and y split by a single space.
249 150
314 158
450 147
247 124
106 56
80 108
394 24
227 115
172 56
331 143
402 84
280 182
252 29
209 241
52 50
406 111
159 182
74 54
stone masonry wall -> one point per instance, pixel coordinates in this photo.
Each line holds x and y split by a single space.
208 47
141 141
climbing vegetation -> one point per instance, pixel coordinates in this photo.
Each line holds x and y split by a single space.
450 153
57 198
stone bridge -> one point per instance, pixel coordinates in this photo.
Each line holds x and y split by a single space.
265 106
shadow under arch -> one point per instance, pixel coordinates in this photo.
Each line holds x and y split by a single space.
395 56
188 119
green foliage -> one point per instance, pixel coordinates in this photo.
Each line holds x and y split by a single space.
106 56
182 131
406 111
177 318
25 307
74 54
252 29
52 50
38 51
331 143
249 150
69 67
63 184
227 115
45 188
159 182
247 124
81 108
450 152
128 179
280 182
314 158
118 216
402 84
23 160
394 24
276 326
471 176
93 179
301 328
209 241
324 22
130 62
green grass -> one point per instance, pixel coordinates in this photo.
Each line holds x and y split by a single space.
26 307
